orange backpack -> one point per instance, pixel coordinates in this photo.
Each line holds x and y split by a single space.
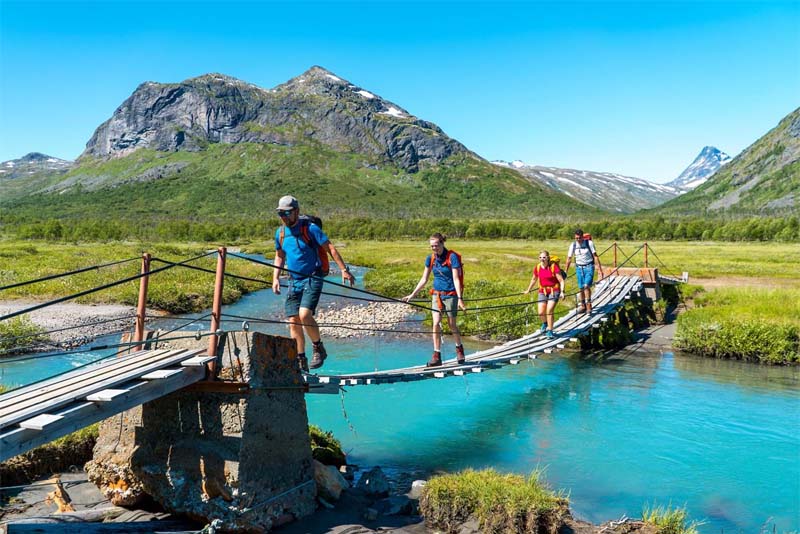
449 263
305 221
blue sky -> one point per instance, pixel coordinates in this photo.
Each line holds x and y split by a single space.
631 87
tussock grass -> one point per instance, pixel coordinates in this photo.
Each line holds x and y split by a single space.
19 332
754 324
670 520
502 503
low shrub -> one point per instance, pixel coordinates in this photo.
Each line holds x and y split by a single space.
502 503
325 448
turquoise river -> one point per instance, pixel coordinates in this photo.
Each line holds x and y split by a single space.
615 433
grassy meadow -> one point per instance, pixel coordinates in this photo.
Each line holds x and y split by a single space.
492 268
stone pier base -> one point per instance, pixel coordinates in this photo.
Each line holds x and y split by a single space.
241 457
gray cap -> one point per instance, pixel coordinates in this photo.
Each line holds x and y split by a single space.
287 203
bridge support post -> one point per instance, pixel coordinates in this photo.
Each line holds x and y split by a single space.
615 254
141 308
645 254
216 310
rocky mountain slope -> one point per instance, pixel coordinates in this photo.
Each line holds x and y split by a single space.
763 180
33 163
604 190
315 106
215 146
702 168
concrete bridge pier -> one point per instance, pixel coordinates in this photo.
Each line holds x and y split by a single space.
237 450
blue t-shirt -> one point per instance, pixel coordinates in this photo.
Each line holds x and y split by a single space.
301 257
443 274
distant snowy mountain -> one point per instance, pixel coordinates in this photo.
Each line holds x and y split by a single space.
33 163
702 168
605 190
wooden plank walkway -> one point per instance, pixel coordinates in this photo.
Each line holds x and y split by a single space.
609 295
39 413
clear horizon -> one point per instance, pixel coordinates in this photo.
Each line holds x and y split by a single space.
635 88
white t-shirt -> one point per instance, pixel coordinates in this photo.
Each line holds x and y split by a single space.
584 253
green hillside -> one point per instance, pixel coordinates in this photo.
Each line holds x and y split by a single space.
763 180
245 180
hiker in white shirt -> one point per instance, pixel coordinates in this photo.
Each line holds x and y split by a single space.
582 249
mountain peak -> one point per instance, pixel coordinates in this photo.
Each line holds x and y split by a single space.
314 106
702 168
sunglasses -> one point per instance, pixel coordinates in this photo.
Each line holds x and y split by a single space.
544 257
284 213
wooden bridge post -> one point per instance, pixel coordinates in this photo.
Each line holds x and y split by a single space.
645 254
141 308
216 309
615 254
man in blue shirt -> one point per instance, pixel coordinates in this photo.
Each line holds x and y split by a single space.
448 295
303 247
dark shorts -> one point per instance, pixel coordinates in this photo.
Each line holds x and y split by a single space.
544 297
584 275
302 294
450 304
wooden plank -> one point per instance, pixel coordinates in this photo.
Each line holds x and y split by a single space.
459 372
59 381
70 396
106 395
513 361
440 374
90 375
197 361
41 421
477 369
16 440
161 373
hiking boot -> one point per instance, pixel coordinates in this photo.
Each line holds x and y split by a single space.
436 360
550 335
543 329
589 308
319 355
460 358
581 309
303 362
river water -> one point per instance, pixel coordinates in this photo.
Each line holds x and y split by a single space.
616 432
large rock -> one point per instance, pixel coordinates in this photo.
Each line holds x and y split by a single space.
317 106
242 458
374 482
330 482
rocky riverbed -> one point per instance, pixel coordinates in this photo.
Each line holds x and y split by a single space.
375 318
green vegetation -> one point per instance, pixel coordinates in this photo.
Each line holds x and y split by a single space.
56 456
243 181
325 448
175 290
754 324
240 226
504 503
670 520
19 332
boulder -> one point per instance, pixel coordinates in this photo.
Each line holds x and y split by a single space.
395 505
330 482
374 483
416 488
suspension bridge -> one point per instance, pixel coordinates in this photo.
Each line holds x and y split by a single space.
135 374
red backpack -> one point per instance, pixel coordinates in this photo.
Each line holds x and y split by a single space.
305 221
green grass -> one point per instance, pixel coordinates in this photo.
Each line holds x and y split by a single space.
504 503
753 324
175 290
670 520
325 448
19 332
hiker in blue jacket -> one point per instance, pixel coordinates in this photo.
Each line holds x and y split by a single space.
448 294
303 248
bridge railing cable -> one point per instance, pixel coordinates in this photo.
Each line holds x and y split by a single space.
96 289
69 273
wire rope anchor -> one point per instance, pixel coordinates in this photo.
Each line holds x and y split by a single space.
245 326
